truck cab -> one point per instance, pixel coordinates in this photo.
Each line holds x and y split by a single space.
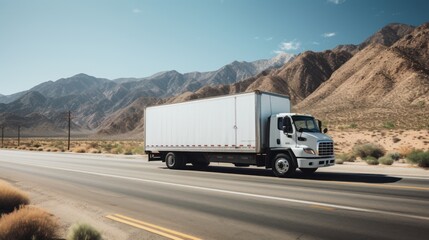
300 136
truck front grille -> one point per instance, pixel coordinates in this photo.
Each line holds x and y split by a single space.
326 148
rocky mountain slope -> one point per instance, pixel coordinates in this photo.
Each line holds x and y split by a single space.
380 84
386 36
297 79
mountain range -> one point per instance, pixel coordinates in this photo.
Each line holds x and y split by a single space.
96 100
383 80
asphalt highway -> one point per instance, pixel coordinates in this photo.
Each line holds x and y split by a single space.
225 202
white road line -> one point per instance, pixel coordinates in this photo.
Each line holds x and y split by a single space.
291 200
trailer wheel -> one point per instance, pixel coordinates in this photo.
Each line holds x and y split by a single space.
174 161
283 166
308 170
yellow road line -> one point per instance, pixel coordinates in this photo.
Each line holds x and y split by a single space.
165 232
323 207
145 228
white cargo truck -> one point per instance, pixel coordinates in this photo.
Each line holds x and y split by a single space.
254 128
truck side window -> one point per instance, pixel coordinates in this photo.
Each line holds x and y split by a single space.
288 124
280 123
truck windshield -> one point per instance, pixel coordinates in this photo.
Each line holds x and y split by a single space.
305 123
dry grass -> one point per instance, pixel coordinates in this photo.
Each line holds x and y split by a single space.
405 150
28 223
11 198
126 147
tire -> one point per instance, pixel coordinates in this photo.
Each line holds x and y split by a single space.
174 161
283 166
200 164
308 170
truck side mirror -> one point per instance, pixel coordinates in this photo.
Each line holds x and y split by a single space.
325 130
320 125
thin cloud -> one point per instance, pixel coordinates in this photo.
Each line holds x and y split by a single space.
268 38
315 43
256 38
336 2
137 11
329 34
292 45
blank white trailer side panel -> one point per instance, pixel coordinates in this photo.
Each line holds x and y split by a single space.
234 123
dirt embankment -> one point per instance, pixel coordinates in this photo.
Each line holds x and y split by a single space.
391 140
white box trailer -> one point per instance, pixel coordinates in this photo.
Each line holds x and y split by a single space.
235 128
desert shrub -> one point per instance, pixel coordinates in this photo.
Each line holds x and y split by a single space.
80 150
339 161
83 231
396 139
395 156
93 144
117 150
386 160
93 150
353 125
11 198
128 151
138 150
28 223
368 149
419 157
371 160
346 157
389 125
405 150
107 146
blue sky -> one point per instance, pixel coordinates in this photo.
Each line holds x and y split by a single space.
49 39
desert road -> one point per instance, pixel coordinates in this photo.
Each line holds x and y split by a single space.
224 202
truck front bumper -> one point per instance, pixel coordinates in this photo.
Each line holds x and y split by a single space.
315 162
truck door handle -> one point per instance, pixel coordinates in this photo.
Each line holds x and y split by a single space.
278 141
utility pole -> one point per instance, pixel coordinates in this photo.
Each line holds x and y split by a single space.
19 134
2 136
68 143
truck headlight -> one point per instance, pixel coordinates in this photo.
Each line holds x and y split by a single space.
309 151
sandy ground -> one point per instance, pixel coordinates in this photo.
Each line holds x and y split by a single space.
391 140
69 211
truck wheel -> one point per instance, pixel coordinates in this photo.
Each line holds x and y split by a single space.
174 161
283 166
308 170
